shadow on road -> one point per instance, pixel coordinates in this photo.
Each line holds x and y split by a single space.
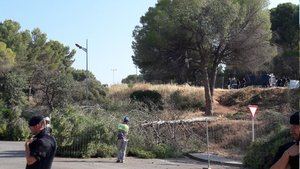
12 154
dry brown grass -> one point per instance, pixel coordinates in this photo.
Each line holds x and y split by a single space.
225 101
122 91
229 136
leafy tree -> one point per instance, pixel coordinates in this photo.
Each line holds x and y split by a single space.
12 89
97 92
287 65
87 88
81 75
52 87
132 79
12 126
10 33
177 35
33 48
94 94
285 25
16 40
52 54
7 58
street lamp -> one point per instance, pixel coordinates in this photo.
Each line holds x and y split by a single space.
113 70
87 64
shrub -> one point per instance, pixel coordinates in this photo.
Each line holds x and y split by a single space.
265 98
165 151
237 116
140 153
293 98
229 99
12 126
78 134
151 98
182 102
260 154
100 150
106 150
157 151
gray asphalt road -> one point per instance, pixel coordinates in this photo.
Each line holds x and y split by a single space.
12 157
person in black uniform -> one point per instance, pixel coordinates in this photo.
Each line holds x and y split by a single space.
40 149
288 154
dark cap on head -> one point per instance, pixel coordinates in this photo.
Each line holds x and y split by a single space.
35 120
126 119
294 119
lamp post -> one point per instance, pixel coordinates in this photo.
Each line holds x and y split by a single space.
113 70
86 66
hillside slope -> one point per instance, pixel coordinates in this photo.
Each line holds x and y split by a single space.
231 134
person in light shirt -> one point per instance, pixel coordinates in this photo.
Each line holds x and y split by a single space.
48 127
122 140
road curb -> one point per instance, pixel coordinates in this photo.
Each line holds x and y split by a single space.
214 161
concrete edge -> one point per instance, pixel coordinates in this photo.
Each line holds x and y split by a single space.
213 161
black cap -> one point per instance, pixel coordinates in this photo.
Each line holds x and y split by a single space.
35 120
126 119
294 119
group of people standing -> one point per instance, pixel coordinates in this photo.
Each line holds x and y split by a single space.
264 80
40 149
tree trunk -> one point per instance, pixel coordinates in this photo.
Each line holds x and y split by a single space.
208 98
212 82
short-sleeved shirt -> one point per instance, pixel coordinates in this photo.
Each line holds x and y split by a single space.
43 148
123 130
293 161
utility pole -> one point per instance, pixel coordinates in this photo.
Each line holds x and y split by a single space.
86 65
113 70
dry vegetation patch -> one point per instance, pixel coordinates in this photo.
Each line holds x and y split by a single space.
232 133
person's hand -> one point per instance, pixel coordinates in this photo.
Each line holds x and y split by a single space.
293 150
29 141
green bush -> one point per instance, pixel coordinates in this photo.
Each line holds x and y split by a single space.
260 154
186 102
78 134
105 150
256 99
157 151
152 99
12 126
102 150
165 151
140 153
132 79
12 90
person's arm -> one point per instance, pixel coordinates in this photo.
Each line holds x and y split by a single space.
29 159
282 163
